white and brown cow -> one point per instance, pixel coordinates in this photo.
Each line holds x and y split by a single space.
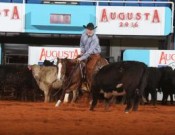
49 77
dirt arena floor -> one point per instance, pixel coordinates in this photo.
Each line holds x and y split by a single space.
37 118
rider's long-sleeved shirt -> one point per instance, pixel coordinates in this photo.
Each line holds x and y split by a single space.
89 45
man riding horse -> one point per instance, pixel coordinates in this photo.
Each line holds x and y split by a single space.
90 50
90 54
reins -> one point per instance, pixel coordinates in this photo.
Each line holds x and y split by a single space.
68 79
70 75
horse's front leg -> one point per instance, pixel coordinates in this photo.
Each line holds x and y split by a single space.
61 98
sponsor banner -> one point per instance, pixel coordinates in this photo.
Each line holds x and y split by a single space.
112 20
160 58
37 55
11 17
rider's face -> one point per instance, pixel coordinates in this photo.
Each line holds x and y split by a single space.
89 32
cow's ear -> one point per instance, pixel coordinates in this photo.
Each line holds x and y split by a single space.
29 67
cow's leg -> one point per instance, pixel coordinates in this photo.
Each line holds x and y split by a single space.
46 91
146 94
143 100
47 95
108 102
128 103
136 102
154 96
107 97
95 95
171 98
165 97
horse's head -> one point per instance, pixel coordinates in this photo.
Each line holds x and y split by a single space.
61 65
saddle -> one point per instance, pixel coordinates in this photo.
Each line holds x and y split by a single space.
99 64
93 70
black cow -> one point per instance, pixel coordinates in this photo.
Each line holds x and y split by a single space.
167 83
153 83
48 63
131 75
18 83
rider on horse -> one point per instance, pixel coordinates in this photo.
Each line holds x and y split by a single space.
90 50
90 53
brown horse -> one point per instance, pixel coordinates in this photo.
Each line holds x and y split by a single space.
76 76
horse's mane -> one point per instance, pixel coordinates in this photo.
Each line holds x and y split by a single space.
70 66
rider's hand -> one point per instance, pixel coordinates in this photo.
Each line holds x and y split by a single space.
76 60
78 56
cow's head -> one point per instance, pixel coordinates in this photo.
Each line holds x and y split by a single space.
35 70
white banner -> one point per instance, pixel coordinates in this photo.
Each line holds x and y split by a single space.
36 55
116 20
160 58
12 17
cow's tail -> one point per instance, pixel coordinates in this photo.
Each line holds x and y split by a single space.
143 82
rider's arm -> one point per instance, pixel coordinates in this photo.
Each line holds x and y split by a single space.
82 46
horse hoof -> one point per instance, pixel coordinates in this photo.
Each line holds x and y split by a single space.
58 103
126 111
